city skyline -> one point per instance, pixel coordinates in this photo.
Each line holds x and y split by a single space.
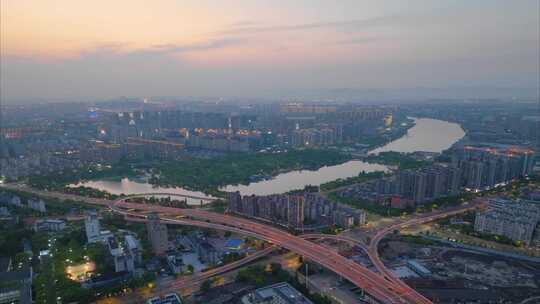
82 51
308 152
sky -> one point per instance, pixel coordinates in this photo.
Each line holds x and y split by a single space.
100 49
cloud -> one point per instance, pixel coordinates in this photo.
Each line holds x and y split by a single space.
352 24
201 46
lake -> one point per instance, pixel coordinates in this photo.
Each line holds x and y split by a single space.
430 135
128 186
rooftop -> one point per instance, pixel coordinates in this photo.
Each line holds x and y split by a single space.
282 291
234 243
171 298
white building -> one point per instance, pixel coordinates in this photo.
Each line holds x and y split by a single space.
37 204
171 298
49 225
15 201
176 263
516 220
92 227
126 252
4 211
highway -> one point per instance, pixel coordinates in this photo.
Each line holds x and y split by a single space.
206 199
198 278
385 287
373 248
382 289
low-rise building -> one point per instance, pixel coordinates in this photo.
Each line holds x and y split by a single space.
171 298
49 225
280 293
176 263
37 204
418 268
15 201
207 253
234 245
4 212
125 250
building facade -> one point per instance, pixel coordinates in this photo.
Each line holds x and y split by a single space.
516 220
157 235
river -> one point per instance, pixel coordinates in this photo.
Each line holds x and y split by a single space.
430 135
299 179
136 186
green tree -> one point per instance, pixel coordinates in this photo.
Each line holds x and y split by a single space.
276 268
206 285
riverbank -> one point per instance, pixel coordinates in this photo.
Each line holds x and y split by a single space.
280 172
208 175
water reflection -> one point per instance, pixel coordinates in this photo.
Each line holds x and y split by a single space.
430 135
299 179
127 186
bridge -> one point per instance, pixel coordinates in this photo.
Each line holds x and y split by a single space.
377 286
385 288
142 195
393 290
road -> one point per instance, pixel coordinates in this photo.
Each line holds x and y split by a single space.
382 289
188 282
373 248
386 287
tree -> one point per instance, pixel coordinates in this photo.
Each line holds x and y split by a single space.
22 258
190 268
276 268
206 285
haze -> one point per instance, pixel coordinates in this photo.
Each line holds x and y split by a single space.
66 49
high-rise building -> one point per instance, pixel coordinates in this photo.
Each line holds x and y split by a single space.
157 234
516 220
420 185
92 227
295 211
487 167
235 202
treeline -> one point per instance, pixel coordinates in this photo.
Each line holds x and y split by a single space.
210 174
59 180
400 160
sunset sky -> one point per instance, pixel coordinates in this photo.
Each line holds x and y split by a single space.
104 49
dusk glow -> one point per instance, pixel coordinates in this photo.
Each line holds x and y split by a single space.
257 151
106 49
